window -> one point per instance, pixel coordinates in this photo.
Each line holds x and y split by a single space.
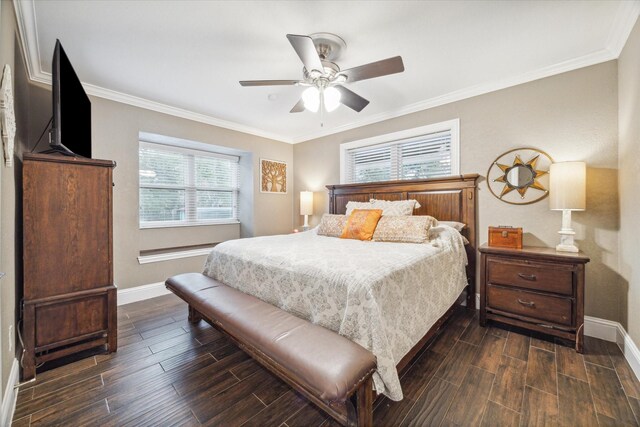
417 153
181 186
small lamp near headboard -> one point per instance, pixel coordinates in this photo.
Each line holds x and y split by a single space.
567 193
306 207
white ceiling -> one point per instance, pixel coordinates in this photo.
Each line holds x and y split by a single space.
186 57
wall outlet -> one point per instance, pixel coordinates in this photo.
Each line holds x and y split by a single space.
10 338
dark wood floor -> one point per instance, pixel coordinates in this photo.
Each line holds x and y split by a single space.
168 372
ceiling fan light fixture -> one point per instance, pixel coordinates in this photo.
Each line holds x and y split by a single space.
311 98
331 98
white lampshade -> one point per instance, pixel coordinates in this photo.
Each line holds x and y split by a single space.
331 98
311 99
306 203
567 186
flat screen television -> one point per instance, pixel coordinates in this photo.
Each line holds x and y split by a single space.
71 132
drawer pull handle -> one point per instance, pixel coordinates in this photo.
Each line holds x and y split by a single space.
527 276
527 303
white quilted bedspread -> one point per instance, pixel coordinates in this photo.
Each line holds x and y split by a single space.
383 296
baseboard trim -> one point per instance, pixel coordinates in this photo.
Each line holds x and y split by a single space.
601 328
141 293
10 395
629 349
614 332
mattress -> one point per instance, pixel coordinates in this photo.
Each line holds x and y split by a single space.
383 296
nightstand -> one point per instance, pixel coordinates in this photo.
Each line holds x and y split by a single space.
534 288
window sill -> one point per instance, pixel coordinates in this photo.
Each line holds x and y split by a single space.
190 224
168 256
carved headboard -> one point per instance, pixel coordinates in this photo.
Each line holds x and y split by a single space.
451 198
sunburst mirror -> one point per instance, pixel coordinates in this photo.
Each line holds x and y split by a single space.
520 176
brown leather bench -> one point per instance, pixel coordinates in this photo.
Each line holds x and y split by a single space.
330 370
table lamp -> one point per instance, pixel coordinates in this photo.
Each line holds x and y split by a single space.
567 192
306 207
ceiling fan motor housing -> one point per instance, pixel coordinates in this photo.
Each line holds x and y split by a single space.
330 71
328 45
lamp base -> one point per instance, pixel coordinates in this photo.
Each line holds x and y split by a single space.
567 248
566 234
305 226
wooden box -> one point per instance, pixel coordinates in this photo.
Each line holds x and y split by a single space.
505 237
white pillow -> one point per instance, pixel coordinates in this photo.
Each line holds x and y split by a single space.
357 205
395 207
454 224
458 226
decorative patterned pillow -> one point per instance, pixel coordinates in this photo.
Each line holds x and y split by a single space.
395 207
357 205
361 224
332 225
404 229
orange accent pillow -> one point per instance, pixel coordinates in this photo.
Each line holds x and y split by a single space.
361 224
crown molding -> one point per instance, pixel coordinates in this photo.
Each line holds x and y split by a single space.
626 17
28 31
623 23
180 112
562 67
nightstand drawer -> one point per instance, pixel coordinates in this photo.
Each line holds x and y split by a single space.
539 276
553 309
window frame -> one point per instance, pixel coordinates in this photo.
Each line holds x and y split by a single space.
190 187
452 126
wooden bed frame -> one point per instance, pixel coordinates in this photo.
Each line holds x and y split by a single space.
451 198
447 199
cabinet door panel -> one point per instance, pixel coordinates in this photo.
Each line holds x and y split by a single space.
69 319
67 228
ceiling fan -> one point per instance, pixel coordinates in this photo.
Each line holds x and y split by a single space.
323 76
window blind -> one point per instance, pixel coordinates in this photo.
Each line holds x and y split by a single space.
180 186
418 157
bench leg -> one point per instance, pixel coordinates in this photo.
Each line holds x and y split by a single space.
194 316
364 404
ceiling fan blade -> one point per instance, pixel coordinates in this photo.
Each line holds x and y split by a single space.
374 69
351 99
269 82
298 108
306 50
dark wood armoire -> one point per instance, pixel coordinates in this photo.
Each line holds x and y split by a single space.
69 298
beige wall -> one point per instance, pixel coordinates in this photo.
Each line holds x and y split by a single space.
571 116
629 179
7 220
10 195
115 136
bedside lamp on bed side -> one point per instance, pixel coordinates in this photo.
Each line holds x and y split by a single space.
306 207
566 194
